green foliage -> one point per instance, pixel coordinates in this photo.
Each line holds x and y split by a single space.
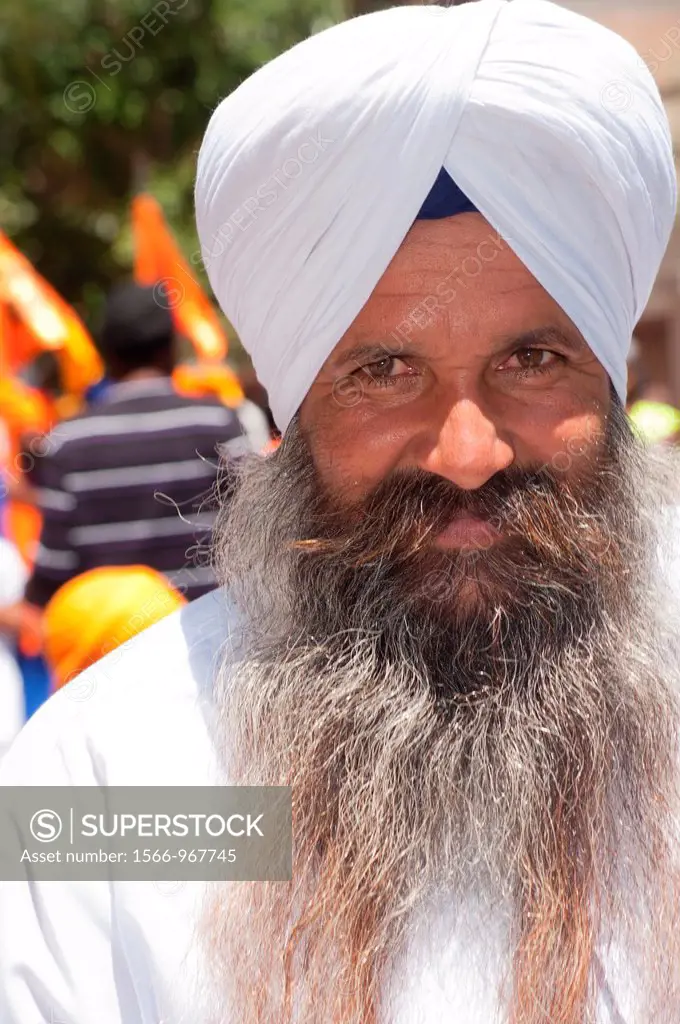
100 96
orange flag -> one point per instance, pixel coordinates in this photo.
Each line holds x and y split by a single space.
159 262
215 379
34 318
26 413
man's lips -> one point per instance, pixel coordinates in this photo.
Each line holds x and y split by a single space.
468 531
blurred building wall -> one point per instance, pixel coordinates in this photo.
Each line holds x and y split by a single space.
653 27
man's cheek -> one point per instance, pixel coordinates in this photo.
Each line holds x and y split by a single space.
346 469
584 449
348 482
335 466
573 450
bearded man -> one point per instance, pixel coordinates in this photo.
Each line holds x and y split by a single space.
444 618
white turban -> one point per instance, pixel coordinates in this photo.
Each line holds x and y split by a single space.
312 172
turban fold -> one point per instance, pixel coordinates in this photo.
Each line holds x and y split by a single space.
312 172
96 612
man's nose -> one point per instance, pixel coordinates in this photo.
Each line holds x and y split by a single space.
468 448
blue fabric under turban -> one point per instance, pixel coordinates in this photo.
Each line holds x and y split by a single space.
445 199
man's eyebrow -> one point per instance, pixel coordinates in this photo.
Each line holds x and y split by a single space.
360 353
549 335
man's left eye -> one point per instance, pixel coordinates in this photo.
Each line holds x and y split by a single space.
528 359
387 367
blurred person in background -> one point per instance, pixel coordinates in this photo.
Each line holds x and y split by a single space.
127 482
218 380
96 612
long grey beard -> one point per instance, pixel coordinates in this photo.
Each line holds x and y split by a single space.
525 746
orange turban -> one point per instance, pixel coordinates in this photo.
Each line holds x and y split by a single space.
98 611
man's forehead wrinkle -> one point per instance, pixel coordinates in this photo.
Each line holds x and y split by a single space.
441 286
383 313
460 229
433 256
498 276
526 284
440 259
429 250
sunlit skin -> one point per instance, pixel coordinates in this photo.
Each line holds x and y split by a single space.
459 364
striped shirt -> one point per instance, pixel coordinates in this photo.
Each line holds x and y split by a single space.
130 482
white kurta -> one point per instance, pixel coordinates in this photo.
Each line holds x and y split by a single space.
125 953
